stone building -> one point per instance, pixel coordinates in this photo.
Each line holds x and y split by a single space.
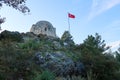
43 27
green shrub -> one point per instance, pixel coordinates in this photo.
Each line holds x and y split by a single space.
46 75
11 36
67 37
31 44
70 78
1 77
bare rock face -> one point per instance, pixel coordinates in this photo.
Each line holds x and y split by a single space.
43 27
59 63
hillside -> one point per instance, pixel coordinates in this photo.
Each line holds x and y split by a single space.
26 56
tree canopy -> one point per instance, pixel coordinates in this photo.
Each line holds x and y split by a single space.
16 4
99 65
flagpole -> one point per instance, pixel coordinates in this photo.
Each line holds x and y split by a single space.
68 24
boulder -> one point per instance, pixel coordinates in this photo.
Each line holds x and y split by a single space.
59 63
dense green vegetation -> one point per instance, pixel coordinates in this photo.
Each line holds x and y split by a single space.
17 60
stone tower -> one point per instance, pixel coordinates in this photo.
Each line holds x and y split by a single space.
43 27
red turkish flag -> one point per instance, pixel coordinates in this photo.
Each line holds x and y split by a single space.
71 15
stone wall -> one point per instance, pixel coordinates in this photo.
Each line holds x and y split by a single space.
43 27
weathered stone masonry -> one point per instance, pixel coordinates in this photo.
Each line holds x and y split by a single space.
43 27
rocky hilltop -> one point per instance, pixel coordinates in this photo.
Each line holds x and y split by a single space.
43 56
47 52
